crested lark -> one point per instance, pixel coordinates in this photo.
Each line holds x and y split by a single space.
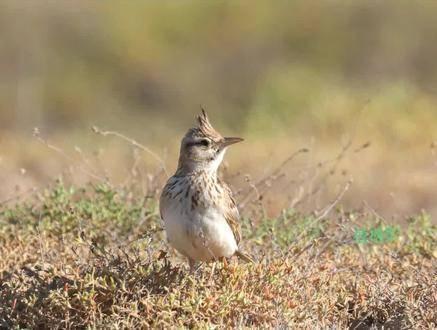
199 213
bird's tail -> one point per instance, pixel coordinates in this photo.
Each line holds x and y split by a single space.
244 256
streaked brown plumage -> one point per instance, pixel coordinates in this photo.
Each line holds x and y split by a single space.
198 210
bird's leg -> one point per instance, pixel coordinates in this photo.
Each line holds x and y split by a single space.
194 266
212 271
225 262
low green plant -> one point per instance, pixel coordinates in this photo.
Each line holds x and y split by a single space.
96 257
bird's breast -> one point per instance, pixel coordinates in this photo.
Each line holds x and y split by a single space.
195 223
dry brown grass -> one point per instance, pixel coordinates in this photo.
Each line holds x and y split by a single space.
96 257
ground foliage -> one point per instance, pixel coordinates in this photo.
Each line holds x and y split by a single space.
96 256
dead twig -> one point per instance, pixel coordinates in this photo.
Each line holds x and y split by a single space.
335 202
88 171
132 142
326 210
273 176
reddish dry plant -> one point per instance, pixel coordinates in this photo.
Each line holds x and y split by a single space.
96 257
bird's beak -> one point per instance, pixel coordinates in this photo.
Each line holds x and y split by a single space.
227 141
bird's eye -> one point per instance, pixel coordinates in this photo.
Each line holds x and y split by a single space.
204 142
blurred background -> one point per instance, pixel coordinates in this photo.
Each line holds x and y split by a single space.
353 82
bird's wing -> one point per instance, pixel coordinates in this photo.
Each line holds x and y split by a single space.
231 214
163 201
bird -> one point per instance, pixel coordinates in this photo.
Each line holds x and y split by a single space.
200 215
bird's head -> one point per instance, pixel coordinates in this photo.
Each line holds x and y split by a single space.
203 148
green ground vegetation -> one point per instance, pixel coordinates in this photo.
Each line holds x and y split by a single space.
95 256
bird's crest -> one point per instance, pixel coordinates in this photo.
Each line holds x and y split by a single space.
205 127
